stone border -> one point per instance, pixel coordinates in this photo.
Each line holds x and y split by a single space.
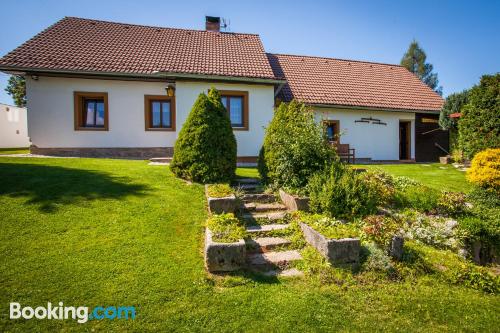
227 204
337 251
294 202
223 257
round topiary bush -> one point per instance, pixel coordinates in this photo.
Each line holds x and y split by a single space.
205 150
485 169
295 147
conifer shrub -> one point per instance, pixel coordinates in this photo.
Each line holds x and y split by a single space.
295 147
205 150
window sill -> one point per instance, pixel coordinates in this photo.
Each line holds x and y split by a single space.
240 128
91 129
161 129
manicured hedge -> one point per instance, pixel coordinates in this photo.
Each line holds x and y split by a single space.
205 150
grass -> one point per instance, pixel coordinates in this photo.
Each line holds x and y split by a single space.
247 172
435 175
113 232
9 151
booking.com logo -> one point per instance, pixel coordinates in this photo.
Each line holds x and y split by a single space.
81 313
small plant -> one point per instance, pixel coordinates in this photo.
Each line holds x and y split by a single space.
381 184
376 259
457 156
380 229
485 170
451 203
402 182
220 190
330 227
477 278
226 228
340 192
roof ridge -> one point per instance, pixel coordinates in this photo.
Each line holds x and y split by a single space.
332 58
157 27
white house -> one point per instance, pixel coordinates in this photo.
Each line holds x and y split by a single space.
13 127
98 88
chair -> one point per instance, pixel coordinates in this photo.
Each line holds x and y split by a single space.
344 151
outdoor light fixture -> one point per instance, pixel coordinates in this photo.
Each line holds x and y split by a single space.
170 90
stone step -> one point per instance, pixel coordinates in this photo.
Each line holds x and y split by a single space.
264 207
259 197
290 272
271 260
161 159
247 181
248 187
266 227
271 216
265 244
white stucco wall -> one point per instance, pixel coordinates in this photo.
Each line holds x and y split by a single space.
51 116
378 142
13 127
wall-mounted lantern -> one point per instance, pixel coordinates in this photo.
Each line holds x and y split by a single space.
170 90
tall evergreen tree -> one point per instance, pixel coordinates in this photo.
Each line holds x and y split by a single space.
16 87
414 60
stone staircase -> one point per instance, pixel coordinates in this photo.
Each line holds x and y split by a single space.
266 254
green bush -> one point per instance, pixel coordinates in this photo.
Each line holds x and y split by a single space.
339 192
451 203
479 124
484 197
478 229
226 228
205 150
477 278
295 147
379 229
376 259
381 184
421 198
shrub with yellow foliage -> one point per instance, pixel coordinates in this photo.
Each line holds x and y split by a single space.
485 169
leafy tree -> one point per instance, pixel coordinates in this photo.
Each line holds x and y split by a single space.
414 60
479 125
295 147
453 104
205 150
16 87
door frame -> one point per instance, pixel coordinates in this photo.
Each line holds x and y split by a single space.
407 124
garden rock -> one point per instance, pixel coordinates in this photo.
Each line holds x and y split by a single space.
396 247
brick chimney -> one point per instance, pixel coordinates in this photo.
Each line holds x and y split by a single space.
212 23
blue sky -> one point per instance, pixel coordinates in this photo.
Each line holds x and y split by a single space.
461 38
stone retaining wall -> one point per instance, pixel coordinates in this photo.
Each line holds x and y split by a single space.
223 257
337 251
136 153
293 202
221 205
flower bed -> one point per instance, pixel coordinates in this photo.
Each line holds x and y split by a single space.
225 248
221 199
338 244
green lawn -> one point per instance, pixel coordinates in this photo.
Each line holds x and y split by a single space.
438 176
113 232
8 151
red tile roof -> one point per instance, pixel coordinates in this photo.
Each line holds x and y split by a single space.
316 80
75 44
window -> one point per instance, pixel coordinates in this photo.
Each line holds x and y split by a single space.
91 111
159 112
332 130
236 104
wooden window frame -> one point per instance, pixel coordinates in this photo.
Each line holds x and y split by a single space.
148 111
244 95
79 101
337 132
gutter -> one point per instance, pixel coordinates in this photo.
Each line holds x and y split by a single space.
372 108
154 75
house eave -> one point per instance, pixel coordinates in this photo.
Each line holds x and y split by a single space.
371 108
158 75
